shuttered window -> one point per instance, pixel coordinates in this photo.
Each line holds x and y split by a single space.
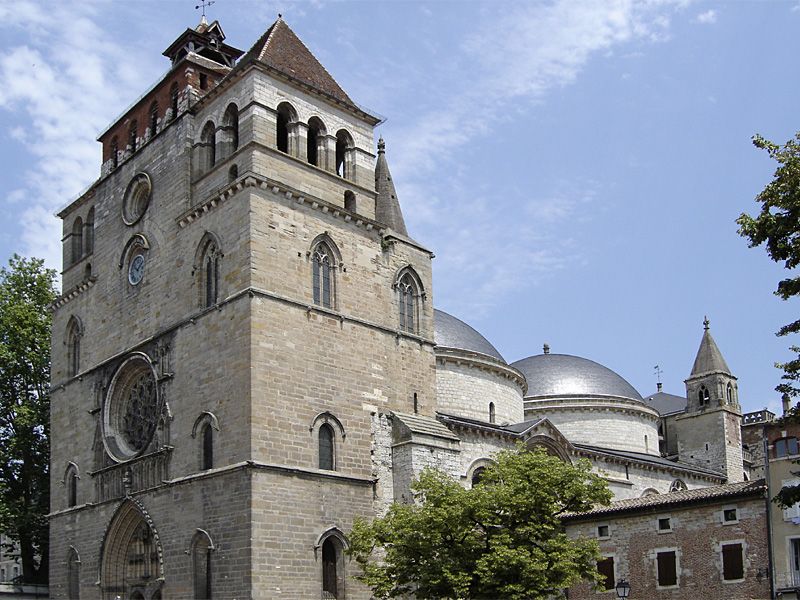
732 562
667 568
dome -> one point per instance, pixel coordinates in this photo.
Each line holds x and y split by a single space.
450 332
565 375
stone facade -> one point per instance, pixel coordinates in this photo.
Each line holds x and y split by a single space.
245 359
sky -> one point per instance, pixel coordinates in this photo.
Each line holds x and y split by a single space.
577 167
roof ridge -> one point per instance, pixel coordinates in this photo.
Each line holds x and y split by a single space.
270 32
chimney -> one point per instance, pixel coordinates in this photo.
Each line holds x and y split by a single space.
546 348
786 404
658 386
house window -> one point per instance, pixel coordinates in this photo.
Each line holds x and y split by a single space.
605 567
786 447
603 531
208 447
664 524
732 562
326 447
667 567
791 513
322 275
729 515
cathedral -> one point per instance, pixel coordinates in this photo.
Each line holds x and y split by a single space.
246 355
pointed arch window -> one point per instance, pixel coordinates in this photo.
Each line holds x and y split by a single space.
326 447
74 334
409 292
73 575
71 484
77 240
322 273
207 267
201 565
153 118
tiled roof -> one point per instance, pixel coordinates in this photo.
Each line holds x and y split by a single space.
649 458
706 494
282 50
514 429
423 425
709 359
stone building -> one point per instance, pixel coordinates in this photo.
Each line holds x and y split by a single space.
246 354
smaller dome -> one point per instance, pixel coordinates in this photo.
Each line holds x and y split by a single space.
450 332
566 375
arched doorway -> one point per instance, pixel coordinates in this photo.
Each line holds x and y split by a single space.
132 566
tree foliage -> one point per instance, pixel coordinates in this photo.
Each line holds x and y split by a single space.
778 226
27 290
501 539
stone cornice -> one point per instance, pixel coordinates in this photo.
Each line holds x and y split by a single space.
74 292
590 404
646 465
481 361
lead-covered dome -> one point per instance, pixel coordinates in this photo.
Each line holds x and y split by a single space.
566 375
450 332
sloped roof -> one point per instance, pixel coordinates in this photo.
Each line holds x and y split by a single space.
666 403
387 205
422 425
709 359
656 501
280 48
650 458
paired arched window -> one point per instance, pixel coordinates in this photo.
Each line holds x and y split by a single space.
323 272
409 291
88 241
315 142
326 447
173 99
286 118
73 574
208 147
677 486
77 240
71 484
153 118
344 154
132 132
730 394
703 396
230 130
201 565
74 334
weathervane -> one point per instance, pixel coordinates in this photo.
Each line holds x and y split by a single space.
204 4
657 370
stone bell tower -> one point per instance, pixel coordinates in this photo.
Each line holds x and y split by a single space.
710 431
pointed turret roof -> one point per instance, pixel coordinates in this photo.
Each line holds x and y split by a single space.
709 359
387 206
282 50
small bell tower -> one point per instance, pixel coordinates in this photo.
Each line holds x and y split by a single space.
710 431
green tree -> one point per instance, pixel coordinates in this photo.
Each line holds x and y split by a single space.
778 226
501 539
27 290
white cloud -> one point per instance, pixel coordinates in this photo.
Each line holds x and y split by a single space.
61 87
706 18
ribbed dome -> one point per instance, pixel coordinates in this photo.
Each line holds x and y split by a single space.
454 333
565 375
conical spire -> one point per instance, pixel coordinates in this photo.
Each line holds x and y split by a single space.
709 358
387 207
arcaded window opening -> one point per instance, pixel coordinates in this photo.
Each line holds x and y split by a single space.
153 118
208 145
315 142
344 154
77 240
286 118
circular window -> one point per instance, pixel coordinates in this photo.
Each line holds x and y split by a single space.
137 197
130 414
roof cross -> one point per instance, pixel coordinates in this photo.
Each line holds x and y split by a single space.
204 4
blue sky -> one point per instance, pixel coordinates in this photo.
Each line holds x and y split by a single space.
577 167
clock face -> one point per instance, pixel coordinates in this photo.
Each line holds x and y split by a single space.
136 269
